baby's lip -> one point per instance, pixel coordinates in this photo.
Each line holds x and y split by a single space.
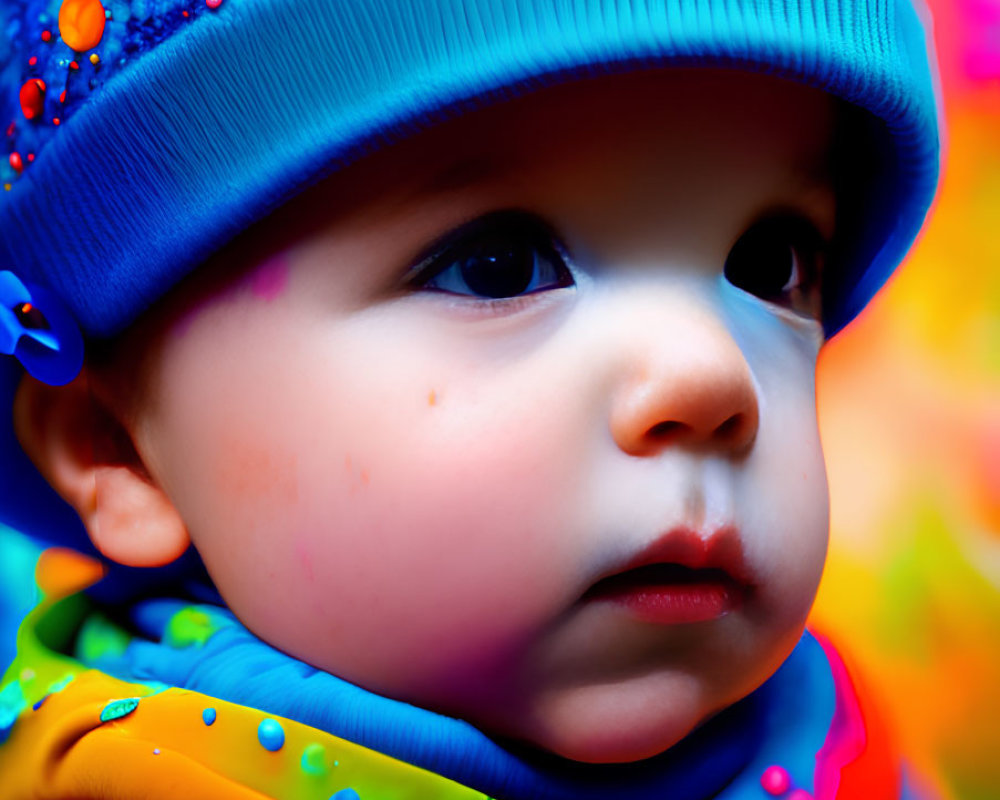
719 550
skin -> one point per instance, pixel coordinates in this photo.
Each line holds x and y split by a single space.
412 489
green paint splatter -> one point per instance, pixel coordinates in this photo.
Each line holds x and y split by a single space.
117 709
191 626
314 760
100 637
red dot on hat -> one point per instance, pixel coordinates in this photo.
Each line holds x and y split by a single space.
15 162
32 97
55 120
62 96
213 3
74 65
46 36
32 61
31 157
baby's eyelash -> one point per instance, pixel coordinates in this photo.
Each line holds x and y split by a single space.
495 307
506 218
495 262
781 247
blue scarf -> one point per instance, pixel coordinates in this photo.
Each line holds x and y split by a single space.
785 722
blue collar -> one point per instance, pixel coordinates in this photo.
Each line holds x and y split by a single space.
784 722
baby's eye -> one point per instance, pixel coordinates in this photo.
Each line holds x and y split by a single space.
779 259
502 254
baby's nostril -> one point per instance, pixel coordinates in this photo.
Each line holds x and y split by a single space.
661 430
730 427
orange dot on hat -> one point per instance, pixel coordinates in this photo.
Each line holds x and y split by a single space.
81 23
32 97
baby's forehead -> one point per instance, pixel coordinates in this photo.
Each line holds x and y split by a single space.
668 110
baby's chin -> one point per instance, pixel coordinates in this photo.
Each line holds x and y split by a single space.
632 720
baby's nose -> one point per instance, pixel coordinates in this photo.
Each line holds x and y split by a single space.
688 383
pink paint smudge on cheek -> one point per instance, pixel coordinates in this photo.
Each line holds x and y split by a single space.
268 280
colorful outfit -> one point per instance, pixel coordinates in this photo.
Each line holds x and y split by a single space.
191 704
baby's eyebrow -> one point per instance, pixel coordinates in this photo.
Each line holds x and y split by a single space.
457 175
817 170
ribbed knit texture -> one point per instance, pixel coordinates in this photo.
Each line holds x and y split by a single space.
241 109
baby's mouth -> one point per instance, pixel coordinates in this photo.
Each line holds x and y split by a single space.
682 577
670 594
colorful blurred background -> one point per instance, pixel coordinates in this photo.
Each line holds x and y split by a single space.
909 402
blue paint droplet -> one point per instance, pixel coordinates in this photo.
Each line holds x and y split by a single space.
117 709
156 751
271 735
38 705
12 702
208 716
346 794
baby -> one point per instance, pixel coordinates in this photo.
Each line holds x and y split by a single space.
509 416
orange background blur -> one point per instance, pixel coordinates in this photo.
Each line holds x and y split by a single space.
909 403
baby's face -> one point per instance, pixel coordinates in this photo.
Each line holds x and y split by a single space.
406 451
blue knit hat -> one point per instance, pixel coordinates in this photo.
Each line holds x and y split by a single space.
143 136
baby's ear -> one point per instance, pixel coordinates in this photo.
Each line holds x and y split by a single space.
87 455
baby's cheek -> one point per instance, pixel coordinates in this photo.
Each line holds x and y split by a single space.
356 512
407 551
467 549
788 519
